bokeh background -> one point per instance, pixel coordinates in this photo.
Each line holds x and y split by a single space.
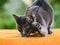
9 7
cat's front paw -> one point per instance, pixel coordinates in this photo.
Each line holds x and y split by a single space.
44 33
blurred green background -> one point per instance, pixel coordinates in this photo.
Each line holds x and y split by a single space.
9 7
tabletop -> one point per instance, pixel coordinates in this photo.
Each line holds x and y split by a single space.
13 37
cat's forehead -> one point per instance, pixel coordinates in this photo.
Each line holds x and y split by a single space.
23 20
22 17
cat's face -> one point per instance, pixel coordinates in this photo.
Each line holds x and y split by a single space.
22 24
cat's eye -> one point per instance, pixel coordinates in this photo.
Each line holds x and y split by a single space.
27 26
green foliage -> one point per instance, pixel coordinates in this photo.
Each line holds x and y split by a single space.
6 21
22 8
56 7
2 2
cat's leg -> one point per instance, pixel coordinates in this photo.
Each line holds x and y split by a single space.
49 30
41 30
49 27
37 25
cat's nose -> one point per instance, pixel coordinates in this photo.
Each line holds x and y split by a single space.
23 33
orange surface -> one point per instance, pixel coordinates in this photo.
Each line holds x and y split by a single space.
12 37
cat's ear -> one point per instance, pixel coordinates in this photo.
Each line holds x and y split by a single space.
17 18
28 12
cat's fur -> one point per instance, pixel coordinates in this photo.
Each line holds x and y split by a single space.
44 15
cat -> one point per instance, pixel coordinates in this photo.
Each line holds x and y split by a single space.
42 14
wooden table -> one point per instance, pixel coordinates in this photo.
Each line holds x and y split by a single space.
12 37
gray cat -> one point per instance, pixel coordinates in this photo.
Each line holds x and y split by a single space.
38 16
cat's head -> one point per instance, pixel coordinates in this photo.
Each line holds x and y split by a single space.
22 24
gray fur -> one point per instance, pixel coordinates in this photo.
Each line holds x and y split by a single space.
44 15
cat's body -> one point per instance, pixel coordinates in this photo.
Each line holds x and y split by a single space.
44 15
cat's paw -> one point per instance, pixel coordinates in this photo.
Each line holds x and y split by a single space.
44 32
